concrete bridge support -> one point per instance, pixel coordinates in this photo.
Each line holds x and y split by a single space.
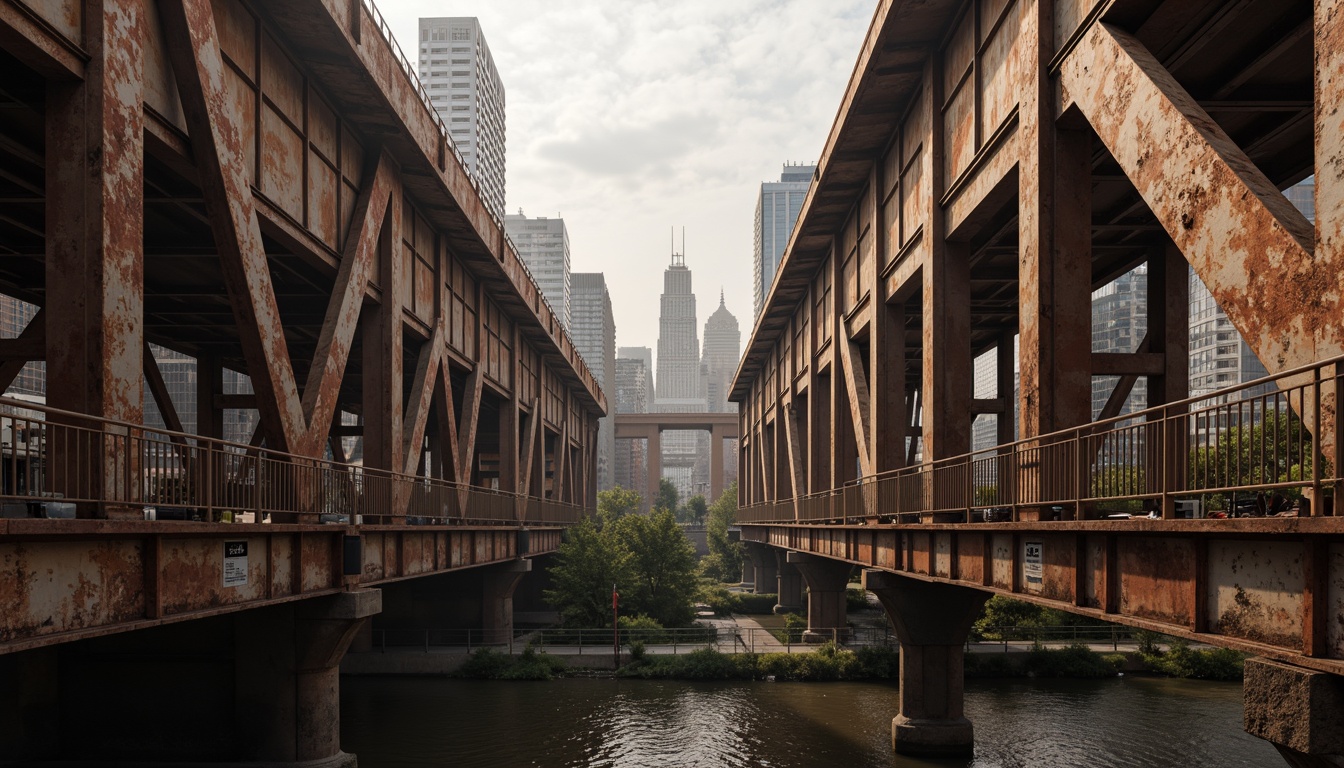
932 621
790 585
763 567
826 582
1300 711
259 687
497 589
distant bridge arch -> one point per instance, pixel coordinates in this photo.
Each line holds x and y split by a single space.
650 426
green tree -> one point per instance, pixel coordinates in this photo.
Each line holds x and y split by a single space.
1275 450
662 567
693 511
724 561
667 498
616 503
589 561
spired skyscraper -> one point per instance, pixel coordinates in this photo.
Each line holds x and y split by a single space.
678 381
718 363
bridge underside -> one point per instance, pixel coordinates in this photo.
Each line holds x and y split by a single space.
999 170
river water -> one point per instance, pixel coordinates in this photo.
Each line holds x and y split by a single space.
1129 722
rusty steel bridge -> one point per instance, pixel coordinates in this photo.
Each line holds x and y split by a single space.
263 187
992 164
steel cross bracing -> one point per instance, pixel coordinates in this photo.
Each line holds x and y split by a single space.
993 163
262 187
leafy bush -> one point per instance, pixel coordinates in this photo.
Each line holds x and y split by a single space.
637 651
489 664
1149 642
485 664
856 599
723 602
1181 660
1075 661
826 663
638 621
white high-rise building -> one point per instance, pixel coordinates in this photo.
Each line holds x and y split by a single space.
459 74
543 245
777 211
594 334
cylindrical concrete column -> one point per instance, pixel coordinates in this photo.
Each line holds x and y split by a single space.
790 585
932 621
499 583
826 582
764 574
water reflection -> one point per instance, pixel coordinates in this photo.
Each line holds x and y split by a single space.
1129 722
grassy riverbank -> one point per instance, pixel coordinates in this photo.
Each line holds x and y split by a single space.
829 663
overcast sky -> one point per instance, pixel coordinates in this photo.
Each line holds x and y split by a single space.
630 117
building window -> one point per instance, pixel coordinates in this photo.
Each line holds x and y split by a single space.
461 33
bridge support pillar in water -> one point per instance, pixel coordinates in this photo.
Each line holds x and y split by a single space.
933 622
257 687
499 583
826 581
764 575
1300 711
790 585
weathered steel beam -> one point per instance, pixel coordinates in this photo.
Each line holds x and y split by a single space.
347 297
1248 244
216 143
94 241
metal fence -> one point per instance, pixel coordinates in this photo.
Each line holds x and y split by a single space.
594 642
54 463
1259 448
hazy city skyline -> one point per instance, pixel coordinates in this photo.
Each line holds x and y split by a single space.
664 116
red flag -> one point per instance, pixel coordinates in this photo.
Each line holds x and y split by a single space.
615 598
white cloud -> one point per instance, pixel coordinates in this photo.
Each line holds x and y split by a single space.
630 118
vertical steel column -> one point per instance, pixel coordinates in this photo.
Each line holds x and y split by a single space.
1329 198
383 359
1168 335
95 255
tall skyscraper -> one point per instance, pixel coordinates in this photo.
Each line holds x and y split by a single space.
777 211
543 245
718 363
722 352
463 85
1119 323
31 383
634 394
678 380
594 333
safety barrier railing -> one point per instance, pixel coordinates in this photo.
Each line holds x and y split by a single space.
59 464
600 641
1260 448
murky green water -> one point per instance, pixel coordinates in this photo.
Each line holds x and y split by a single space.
1130 722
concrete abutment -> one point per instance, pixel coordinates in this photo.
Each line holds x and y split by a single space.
790 581
1300 711
932 621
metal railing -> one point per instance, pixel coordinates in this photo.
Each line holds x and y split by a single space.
59 464
585 642
1252 449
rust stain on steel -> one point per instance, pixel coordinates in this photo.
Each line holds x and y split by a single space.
217 146
54 587
1255 590
1247 242
1335 602
1154 575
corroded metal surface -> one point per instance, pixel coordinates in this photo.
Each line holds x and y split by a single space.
67 582
1241 587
